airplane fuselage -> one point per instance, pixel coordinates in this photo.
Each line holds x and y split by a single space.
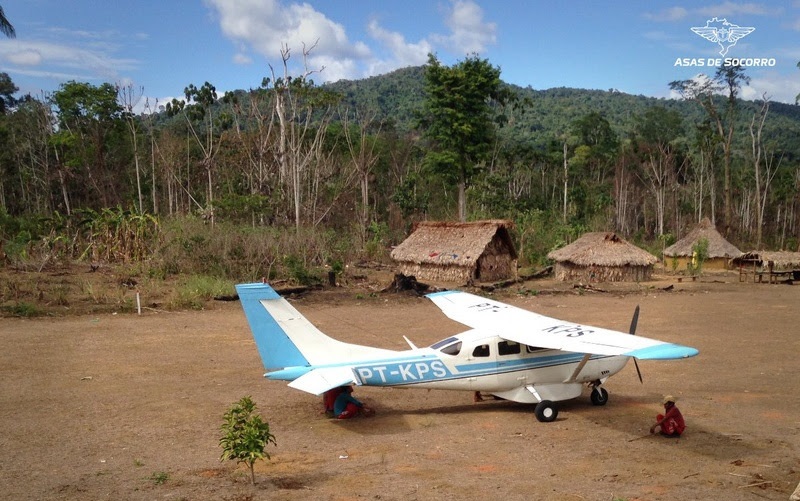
490 364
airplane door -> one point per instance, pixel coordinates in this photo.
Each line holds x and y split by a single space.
509 358
483 367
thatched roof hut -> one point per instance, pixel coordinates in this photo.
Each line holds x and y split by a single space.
720 251
458 252
602 257
781 260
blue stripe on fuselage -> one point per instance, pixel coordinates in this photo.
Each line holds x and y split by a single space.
429 367
411 371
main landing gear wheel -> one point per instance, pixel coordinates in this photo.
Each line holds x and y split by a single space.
599 396
546 411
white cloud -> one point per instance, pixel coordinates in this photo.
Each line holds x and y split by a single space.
242 59
469 33
267 26
731 8
24 57
671 14
779 88
70 55
401 52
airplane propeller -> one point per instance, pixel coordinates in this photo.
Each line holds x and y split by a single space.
634 321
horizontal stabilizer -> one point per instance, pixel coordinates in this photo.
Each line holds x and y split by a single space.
318 381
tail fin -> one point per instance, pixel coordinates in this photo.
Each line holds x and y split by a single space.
285 338
276 348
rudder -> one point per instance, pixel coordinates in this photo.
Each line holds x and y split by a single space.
277 351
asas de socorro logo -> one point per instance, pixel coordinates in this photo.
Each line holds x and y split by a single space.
725 34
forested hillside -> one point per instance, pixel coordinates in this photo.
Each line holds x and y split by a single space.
291 175
550 112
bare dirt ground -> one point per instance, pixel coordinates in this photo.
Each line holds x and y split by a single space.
120 406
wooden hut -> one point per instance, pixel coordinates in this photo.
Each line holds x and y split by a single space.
458 252
679 255
602 257
774 264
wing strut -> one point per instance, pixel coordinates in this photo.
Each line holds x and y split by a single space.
579 368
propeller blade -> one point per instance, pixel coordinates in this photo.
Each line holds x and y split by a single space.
634 321
636 364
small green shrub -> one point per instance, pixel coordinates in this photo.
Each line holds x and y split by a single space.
22 309
193 291
298 271
245 435
159 477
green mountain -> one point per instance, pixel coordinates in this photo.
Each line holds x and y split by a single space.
396 95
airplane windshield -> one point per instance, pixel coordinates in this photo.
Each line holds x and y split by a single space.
444 342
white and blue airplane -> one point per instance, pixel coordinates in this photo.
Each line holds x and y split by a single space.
509 352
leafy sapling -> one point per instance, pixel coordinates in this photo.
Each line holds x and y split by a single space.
245 435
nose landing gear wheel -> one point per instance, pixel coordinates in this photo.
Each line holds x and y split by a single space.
546 411
599 396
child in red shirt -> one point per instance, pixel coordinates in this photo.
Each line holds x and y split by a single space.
671 423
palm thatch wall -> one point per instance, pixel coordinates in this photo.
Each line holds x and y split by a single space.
443 251
720 251
602 257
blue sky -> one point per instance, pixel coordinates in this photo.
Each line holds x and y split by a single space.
164 45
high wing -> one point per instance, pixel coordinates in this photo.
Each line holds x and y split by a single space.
532 329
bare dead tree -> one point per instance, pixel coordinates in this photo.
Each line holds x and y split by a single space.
129 98
363 156
302 124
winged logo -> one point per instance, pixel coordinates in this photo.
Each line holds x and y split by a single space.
723 33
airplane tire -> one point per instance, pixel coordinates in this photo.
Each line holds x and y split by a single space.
599 396
546 411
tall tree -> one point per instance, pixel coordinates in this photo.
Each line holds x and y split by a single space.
596 149
197 109
303 112
5 26
764 168
657 131
7 90
129 97
457 119
361 146
87 117
727 80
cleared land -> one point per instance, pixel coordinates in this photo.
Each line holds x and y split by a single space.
107 406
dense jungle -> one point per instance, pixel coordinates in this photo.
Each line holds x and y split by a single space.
288 178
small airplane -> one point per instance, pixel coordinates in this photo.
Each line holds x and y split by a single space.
508 352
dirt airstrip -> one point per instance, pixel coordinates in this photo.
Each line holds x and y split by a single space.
120 406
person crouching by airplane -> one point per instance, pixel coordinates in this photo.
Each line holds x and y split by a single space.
671 422
329 399
347 406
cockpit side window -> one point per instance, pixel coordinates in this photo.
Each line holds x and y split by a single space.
508 348
481 351
452 349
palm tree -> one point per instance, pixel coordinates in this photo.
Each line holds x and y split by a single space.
5 26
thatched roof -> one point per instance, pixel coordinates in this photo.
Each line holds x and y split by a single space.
782 259
602 249
718 247
445 243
